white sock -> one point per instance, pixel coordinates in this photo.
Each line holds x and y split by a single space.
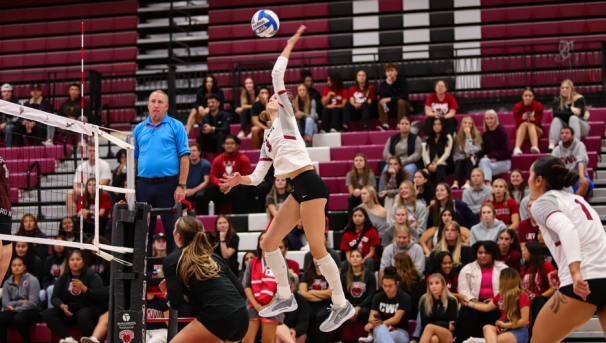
329 269
276 262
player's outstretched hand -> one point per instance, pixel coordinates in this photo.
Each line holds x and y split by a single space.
292 40
229 182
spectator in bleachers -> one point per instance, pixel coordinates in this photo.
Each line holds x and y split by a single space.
308 81
248 96
389 314
118 175
296 323
393 94
29 227
497 155
546 253
68 231
444 199
392 178
227 242
534 277
478 283
20 302
260 286
95 262
569 109
511 254
245 261
403 242
430 238
291 264
86 208
527 230
441 105
361 97
200 107
443 263
523 207
306 115
261 190
314 288
359 234
489 228
405 145
53 267
438 309
417 212
32 261
32 128
411 280
506 209
71 108
197 178
214 127
478 193
87 169
277 196
517 187
258 126
452 242
79 298
528 114
332 252
401 223
437 155
158 250
467 146
574 155
8 122
334 99
359 176
426 191
228 163
360 286
376 213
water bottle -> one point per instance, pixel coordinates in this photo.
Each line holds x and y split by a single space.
211 208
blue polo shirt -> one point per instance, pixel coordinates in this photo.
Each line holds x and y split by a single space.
158 148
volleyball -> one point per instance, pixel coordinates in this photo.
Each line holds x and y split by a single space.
265 23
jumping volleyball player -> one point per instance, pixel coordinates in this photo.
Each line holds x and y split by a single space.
284 147
6 249
573 232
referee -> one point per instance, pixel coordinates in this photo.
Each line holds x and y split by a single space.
161 162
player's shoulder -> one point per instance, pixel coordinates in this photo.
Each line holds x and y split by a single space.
545 205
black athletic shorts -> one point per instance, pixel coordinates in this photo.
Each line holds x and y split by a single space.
231 329
5 227
597 296
309 186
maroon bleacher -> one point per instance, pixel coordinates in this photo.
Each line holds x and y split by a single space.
70 42
66 72
68 57
68 11
70 26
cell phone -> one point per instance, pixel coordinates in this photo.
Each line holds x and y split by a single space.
529 112
377 316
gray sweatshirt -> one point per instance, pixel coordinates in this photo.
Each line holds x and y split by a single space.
402 151
413 249
523 204
572 156
419 216
470 149
480 232
13 295
474 198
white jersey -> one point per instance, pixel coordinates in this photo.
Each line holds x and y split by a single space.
283 145
573 232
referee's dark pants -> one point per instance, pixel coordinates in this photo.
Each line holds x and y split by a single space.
159 195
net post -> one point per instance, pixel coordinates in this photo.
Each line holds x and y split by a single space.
130 171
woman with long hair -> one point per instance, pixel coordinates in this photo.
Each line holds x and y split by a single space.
227 242
511 254
245 261
286 151
247 97
376 213
467 146
405 145
118 175
497 154
443 265
193 270
417 213
359 234
87 207
361 96
528 114
315 288
280 191
438 309
53 268
200 107
452 242
534 277
434 234
444 199
403 242
489 228
514 306
569 109
411 280
517 187
29 227
158 250
441 105
359 176
506 208
478 193
32 261
306 113
67 229
334 98
401 223
392 178
426 191
360 286
100 265
437 154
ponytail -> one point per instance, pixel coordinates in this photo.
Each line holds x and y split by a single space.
555 173
196 257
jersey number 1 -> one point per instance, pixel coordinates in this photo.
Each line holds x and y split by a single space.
584 209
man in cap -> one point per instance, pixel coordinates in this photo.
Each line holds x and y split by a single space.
37 101
8 121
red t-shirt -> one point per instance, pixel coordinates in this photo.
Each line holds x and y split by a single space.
525 276
527 232
106 204
513 259
524 301
358 94
519 109
504 211
336 99
452 285
224 164
441 107
294 266
370 239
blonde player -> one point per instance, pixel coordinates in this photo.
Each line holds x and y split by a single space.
284 147
573 232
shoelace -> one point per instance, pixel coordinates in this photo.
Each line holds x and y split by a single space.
333 309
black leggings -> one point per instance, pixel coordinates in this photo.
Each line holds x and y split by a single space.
463 166
470 323
331 118
245 119
318 312
22 321
350 111
57 321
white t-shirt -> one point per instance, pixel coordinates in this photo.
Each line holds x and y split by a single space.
89 171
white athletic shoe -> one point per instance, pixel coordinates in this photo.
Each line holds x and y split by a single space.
338 316
68 340
517 151
333 130
368 339
48 142
241 134
475 340
535 150
280 305
89 340
465 186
